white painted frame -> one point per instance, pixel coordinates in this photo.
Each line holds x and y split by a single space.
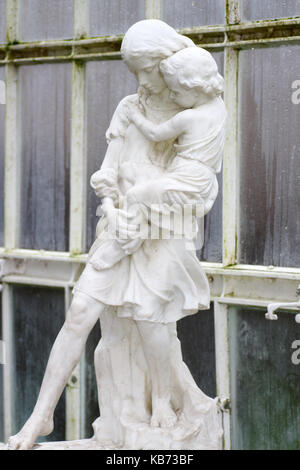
228 279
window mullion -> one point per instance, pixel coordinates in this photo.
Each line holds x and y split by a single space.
12 20
8 338
153 9
230 167
12 161
77 201
78 161
73 408
233 11
81 18
222 366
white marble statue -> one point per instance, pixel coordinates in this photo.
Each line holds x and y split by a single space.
165 146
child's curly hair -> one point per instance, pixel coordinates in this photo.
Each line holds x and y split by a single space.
194 67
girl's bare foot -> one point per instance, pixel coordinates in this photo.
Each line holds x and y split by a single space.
32 429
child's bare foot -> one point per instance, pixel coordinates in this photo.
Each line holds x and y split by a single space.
162 415
32 429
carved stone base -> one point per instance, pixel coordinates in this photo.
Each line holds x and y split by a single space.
82 444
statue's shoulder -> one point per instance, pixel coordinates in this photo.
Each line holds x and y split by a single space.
130 100
119 122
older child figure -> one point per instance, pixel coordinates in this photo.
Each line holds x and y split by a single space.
194 83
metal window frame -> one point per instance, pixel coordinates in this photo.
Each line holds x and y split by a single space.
231 283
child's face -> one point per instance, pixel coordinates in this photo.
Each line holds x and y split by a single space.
183 97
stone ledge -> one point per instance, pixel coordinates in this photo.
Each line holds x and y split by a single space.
82 444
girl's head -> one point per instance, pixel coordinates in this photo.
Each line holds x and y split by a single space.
144 45
190 73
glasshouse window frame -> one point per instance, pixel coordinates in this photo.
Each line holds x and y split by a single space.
231 283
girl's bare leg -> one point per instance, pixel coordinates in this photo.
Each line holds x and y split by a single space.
65 355
157 348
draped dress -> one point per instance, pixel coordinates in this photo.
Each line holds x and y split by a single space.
161 282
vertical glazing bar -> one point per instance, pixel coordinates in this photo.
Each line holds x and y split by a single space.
72 393
81 22
153 9
12 188
7 315
78 161
83 403
230 213
222 366
12 20
78 202
233 10
230 168
12 161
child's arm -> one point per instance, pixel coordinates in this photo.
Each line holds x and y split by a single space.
158 132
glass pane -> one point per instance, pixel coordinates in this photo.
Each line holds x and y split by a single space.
38 316
213 230
104 91
197 336
47 19
107 17
258 9
45 113
269 155
1 380
265 388
2 21
91 407
2 130
186 13
213 226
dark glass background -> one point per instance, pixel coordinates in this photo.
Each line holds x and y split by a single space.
265 390
38 316
46 19
45 119
114 17
269 157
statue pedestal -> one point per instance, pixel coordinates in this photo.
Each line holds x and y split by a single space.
81 444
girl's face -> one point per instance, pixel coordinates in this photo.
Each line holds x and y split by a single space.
148 74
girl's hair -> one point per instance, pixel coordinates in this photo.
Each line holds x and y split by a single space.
153 39
194 67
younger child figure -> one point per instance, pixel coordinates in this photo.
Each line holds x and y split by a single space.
195 84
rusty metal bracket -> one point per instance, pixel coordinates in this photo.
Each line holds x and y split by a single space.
271 315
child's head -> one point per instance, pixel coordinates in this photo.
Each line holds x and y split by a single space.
191 73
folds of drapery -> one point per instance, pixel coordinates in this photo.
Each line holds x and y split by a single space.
161 282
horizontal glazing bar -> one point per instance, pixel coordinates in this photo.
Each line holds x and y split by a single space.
282 290
42 255
211 268
253 303
237 35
